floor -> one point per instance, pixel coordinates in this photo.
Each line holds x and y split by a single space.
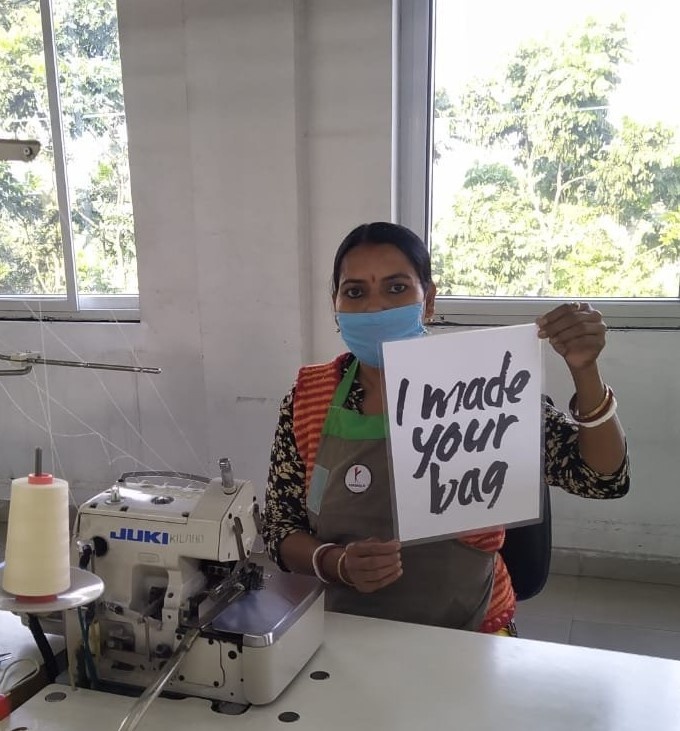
613 615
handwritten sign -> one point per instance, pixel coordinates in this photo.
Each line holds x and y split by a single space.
465 425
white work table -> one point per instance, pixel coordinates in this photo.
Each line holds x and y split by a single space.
398 677
16 638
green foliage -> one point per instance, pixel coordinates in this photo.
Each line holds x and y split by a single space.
31 254
104 218
23 98
442 103
581 208
492 243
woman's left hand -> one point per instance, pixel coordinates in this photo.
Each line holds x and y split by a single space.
576 331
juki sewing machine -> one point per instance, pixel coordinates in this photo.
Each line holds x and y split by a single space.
174 552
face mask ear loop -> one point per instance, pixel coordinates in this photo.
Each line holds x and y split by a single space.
423 321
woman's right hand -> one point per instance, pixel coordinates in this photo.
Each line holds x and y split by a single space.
372 564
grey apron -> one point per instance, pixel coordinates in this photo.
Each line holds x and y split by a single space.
445 583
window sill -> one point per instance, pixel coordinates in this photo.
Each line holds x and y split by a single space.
82 316
89 308
621 314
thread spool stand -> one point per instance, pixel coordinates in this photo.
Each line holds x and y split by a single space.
84 588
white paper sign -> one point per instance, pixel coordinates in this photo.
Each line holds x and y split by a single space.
465 424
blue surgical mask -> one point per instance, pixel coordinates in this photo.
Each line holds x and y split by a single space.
365 332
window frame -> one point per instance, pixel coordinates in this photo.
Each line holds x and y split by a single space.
72 305
414 37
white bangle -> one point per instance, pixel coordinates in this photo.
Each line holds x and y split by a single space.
602 419
315 560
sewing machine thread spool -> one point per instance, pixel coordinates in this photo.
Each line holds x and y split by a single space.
37 566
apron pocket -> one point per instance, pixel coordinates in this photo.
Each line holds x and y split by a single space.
317 487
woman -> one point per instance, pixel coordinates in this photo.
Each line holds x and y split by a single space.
315 522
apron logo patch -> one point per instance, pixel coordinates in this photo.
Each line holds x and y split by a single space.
358 478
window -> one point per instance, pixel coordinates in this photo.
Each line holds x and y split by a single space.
539 153
66 228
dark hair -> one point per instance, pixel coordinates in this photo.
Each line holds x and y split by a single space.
380 232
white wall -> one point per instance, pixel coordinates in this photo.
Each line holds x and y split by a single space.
260 132
641 367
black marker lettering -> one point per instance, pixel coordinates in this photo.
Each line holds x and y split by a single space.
434 398
439 503
466 490
504 422
493 481
497 382
469 488
403 388
449 443
517 385
478 394
474 394
425 449
470 444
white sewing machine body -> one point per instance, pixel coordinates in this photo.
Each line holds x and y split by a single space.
177 556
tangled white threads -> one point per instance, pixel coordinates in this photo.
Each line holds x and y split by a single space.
7 687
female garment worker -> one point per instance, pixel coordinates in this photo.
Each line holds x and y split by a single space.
327 509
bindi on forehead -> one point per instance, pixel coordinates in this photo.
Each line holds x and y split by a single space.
376 263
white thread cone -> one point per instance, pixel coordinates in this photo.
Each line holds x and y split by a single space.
37 552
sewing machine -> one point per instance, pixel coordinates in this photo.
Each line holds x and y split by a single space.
174 552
